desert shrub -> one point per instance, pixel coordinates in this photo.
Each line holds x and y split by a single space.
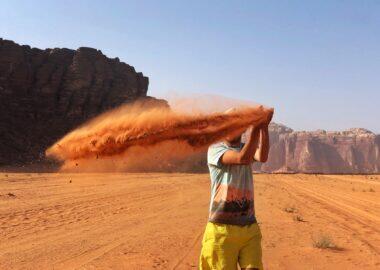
290 209
298 218
324 242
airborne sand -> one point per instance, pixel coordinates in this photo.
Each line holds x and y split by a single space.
156 221
135 134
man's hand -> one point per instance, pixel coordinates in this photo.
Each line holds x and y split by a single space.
270 116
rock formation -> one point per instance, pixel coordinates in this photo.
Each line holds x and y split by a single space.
355 151
46 93
352 151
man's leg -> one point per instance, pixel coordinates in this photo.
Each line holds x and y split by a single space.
250 256
218 252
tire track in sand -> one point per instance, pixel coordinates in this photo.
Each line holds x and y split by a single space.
350 212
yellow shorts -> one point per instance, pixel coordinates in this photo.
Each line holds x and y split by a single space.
224 246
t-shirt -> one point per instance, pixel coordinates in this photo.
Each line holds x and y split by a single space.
231 189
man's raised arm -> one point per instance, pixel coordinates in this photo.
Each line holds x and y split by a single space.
262 151
247 153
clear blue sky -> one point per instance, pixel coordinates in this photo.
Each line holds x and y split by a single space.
316 62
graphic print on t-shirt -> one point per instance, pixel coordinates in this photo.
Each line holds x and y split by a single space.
231 203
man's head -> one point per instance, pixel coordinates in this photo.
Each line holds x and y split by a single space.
236 139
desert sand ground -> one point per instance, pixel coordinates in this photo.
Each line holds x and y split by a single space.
156 221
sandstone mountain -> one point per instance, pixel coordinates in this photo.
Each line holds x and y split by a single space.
353 151
46 93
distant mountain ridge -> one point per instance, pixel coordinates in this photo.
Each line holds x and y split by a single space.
353 151
356 150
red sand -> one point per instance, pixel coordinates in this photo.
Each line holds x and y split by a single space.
156 221
132 133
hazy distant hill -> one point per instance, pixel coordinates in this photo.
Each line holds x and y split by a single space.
356 150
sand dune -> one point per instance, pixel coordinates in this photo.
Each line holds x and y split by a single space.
156 221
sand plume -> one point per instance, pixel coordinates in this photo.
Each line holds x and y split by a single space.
136 135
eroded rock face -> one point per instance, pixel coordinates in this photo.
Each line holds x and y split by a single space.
352 151
46 93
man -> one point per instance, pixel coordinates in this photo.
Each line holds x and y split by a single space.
232 235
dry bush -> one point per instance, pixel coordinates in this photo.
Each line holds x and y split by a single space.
298 218
324 242
290 209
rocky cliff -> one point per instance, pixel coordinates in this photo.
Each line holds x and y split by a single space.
46 93
352 151
355 151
